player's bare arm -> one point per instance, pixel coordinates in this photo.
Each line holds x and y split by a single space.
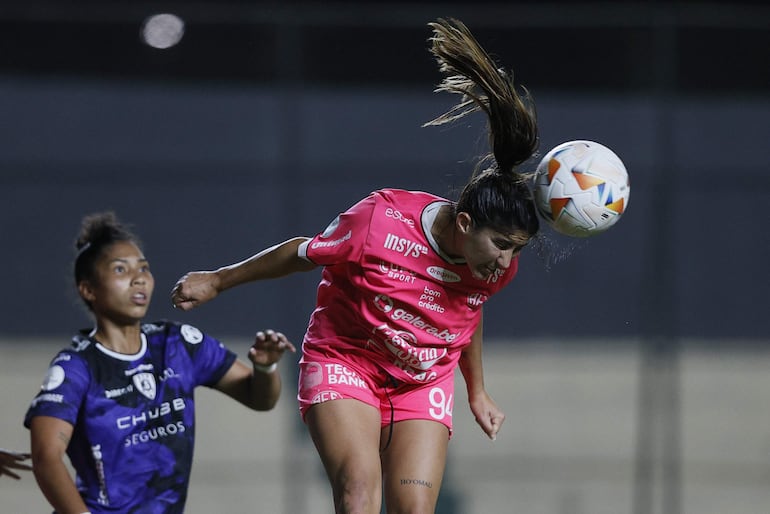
486 412
258 386
49 440
199 287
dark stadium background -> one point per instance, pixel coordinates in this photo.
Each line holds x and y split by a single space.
270 117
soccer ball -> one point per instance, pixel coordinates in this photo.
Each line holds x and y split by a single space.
581 188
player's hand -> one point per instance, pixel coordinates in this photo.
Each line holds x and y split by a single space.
488 415
195 288
268 347
13 460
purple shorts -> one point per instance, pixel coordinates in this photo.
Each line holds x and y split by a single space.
322 379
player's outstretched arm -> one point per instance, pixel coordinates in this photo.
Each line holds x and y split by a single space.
198 287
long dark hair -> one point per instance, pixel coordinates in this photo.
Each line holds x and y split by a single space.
497 196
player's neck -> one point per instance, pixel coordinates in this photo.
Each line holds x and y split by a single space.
126 339
444 232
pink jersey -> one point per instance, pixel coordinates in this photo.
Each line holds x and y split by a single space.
388 295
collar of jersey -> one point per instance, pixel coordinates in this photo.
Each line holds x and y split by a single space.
123 356
427 219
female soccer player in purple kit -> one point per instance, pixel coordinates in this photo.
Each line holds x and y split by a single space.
120 400
399 306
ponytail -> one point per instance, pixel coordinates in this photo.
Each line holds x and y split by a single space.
499 196
471 72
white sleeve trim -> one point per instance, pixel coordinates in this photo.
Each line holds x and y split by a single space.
302 250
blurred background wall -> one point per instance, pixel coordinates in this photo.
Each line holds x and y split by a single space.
268 118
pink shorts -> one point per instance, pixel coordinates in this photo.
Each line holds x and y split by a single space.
322 379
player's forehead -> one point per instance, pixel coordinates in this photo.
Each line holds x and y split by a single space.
122 251
517 237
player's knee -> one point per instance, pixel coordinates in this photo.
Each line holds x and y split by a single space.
411 504
356 494
415 507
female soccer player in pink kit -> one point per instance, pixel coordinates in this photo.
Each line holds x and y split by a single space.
405 277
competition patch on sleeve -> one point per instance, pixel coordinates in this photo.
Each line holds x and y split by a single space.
331 228
191 334
53 378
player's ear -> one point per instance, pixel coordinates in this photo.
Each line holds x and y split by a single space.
463 222
86 291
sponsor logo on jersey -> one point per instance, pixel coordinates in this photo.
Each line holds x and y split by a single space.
475 300
145 384
155 413
383 303
336 242
48 397
311 375
396 272
339 374
416 321
442 274
406 247
191 334
96 451
325 396
168 373
120 391
429 300
398 216
416 374
155 433
401 343
53 378
139 369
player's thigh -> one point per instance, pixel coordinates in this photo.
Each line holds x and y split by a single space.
413 465
346 433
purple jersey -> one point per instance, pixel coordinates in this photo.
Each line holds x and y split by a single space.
133 415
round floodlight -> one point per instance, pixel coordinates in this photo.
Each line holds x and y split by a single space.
162 30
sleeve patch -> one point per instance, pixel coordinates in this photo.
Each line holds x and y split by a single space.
53 378
331 228
191 334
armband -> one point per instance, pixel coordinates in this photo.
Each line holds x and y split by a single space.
267 370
